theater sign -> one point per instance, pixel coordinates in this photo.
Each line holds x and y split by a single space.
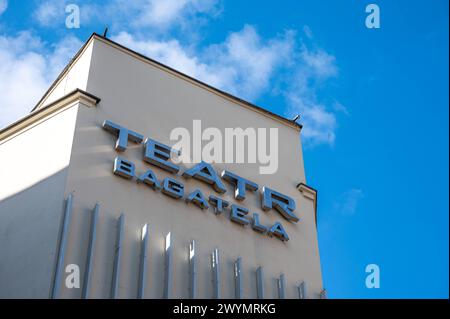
94 186
158 154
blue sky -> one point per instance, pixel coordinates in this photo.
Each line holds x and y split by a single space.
374 104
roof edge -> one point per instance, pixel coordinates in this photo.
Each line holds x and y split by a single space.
77 95
235 99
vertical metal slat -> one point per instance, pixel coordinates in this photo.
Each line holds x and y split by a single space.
117 255
215 268
168 267
259 283
238 278
192 271
143 262
302 290
62 247
90 253
281 287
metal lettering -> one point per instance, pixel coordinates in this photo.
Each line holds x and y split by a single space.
205 172
238 214
240 183
282 203
123 168
123 135
218 203
197 198
157 154
173 188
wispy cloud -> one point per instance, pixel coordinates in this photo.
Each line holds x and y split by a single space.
243 64
27 69
320 63
137 15
312 69
50 13
3 6
308 32
340 108
165 13
347 202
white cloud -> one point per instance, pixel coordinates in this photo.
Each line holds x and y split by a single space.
27 70
50 13
3 6
308 32
320 63
247 62
157 12
312 69
319 124
243 64
347 202
138 15
339 107
162 14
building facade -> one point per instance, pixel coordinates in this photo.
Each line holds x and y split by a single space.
90 186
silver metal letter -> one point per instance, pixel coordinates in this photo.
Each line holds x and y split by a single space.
215 268
149 178
218 203
282 203
168 267
238 214
123 168
143 262
173 188
62 247
206 173
124 135
240 183
278 231
90 253
198 199
117 255
257 226
157 154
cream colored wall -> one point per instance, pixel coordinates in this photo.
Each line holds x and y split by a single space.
75 78
33 172
152 102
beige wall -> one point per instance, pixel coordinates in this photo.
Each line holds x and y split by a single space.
152 102
33 172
